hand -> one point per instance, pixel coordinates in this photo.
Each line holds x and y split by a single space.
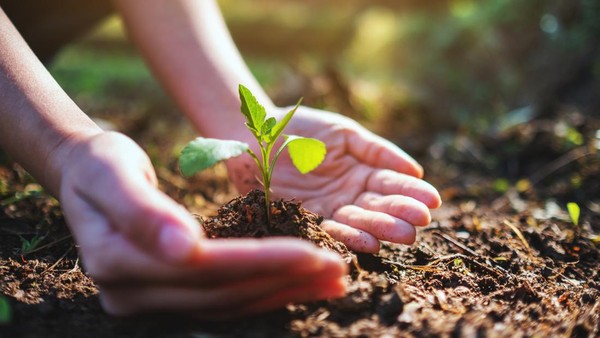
148 254
367 188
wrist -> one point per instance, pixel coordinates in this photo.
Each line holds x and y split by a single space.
61 156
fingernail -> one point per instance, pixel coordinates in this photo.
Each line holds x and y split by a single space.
330 257
333 264
326 263
331 291
176 242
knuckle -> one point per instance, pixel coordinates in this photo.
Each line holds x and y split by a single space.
103 269
99 270
115 304
408 235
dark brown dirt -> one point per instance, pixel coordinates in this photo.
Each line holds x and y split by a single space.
499 259
245 216
475 271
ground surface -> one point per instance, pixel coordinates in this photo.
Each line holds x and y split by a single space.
509 263
502 258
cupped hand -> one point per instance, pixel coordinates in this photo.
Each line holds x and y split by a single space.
367 188
147 253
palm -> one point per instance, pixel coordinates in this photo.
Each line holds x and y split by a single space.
338 181
367 188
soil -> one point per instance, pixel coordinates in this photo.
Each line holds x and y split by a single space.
493 263
245 216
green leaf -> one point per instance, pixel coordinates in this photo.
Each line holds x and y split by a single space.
203 153
28 246
280 126
306 153
254 112
573 209
267 126
5 311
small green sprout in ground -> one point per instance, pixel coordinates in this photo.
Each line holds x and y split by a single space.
5 311
501 185
28 246
306 153
574 211
22 195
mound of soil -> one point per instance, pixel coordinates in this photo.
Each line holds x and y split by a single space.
245 216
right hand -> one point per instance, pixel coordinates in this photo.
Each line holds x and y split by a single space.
367 188
148 254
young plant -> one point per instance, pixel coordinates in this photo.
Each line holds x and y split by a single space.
28 246
306 153
5 311
574 211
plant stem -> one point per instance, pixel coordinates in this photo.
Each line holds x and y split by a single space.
266 172
268 203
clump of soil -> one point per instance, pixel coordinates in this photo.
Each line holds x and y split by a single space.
245 216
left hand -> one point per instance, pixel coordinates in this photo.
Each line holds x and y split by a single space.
148 254
367 188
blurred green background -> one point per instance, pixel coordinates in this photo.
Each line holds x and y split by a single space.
451 63
443 79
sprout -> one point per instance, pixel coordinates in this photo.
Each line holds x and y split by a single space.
306 153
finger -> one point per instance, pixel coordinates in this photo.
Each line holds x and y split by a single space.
229 259
119 188
403 207
229 297
378 152
380 225
388 182
336 192
353 238
147 217
317 291
217 262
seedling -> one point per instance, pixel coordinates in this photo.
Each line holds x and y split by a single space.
574 211
27 246
306 153
20 196
5 311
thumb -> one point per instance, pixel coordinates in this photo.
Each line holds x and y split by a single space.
112 179
159 225
147 217
129 200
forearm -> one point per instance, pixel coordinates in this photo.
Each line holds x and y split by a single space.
189 48
38 121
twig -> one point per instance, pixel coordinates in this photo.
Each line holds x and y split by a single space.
455 242
536 177
430 266
465 248
470 260
447 257
571 281
520 235
58 261
48 245
427 268
74 266
571 156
